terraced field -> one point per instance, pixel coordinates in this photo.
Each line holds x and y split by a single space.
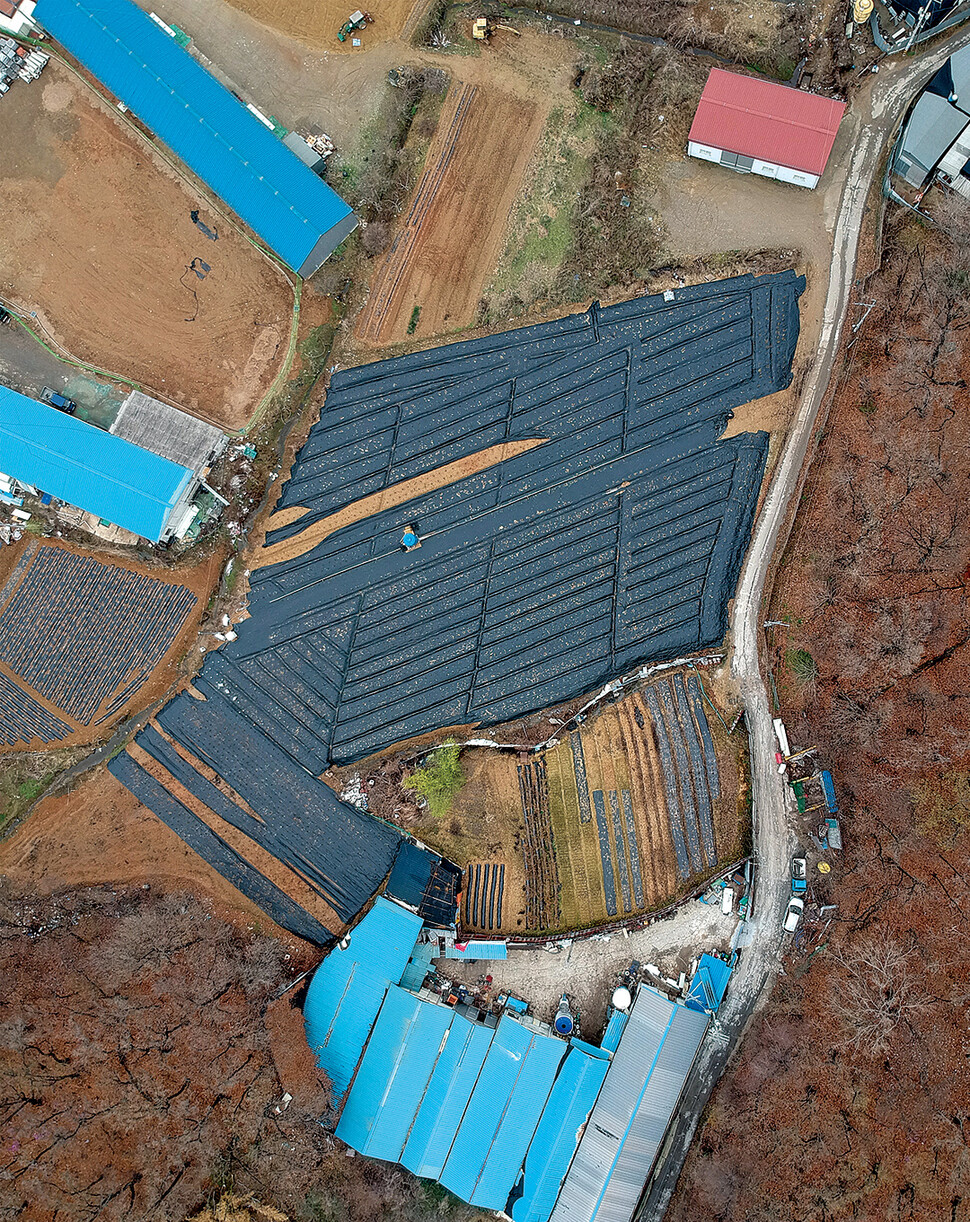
631 803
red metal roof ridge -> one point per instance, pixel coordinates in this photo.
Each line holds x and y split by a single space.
773 117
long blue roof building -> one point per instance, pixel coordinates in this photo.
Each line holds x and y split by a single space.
292 210
87 467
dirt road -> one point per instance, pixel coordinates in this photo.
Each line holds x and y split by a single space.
873 121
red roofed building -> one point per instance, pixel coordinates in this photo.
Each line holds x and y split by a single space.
761 127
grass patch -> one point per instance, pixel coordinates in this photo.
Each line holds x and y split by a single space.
24 778
942 806
802 666
440 780
586 224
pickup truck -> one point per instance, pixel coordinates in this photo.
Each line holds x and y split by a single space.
61 402
799 876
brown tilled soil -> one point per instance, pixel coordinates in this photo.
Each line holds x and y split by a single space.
99 242
316 22
200 579
377 502
101 834
431 279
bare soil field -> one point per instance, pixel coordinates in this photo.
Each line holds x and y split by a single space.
199 578
316 22
431 279
100 834
99 242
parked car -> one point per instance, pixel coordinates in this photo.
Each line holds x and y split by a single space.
799 876
61 402
796 907
4 316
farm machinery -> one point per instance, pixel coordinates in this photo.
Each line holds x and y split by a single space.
482 29
356 21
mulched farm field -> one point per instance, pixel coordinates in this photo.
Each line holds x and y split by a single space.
431 279
83 641
99 241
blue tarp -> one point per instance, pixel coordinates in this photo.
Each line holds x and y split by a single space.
709 984
295 213
348 988
829 790
87 467
557 1135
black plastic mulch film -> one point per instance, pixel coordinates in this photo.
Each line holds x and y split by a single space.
615 542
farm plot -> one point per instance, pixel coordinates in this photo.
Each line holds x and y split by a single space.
652 784
260 793
79 639
118 272
431 279
317 21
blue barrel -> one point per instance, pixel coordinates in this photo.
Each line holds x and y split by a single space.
564 1024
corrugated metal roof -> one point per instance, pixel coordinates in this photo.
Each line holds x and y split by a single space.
932 127
295 213
167 431
628 1123
348 988
478 950
454 1076
763 119
394 1074
558 1134
502 1114
614 1029
87 467
709 983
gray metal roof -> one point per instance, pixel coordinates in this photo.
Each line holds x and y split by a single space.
165 430
628 1123
960 71
933 126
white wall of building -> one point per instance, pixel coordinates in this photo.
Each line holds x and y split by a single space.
752 165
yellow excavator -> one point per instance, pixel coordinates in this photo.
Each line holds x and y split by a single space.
482 29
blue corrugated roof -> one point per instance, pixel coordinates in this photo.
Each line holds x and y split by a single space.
348 988
87 467
478 950
281 200
558 1134
502 1114
452 1082
709 983
394 1074
614 1029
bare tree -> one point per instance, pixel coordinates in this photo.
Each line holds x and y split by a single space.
879 990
